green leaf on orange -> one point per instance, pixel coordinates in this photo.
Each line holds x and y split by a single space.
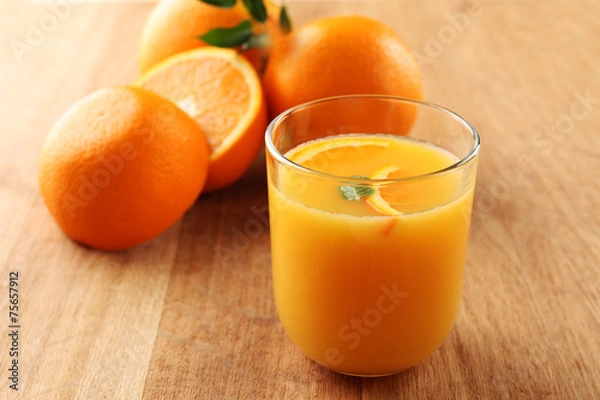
284 21
229 37
257 9
220 3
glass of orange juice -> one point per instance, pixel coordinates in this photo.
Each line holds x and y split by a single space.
370 202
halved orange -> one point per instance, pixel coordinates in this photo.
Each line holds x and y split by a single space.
221 91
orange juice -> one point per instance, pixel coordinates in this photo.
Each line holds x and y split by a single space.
359 288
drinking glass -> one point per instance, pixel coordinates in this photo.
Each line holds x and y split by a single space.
369 294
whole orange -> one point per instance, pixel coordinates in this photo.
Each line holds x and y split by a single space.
121 166
338 56
173 26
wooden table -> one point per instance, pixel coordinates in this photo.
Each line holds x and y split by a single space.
174 319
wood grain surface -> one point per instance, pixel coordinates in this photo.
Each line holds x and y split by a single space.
191 313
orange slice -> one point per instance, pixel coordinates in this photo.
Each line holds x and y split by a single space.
411 196
221 91
376 200
323 156
302 154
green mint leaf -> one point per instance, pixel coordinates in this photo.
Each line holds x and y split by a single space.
229 37
357 192
220 3
257 9
348 193
364 191
284 21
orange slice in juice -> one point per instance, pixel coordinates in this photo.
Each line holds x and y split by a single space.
317 151
380 199
386 160
411 196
